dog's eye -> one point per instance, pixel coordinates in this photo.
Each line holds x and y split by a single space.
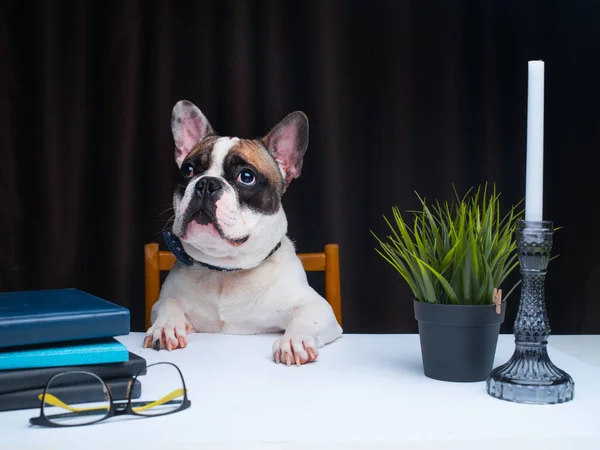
246 177
187 170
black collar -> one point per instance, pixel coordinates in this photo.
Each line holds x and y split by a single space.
176 247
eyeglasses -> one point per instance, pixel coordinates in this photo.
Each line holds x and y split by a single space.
75 398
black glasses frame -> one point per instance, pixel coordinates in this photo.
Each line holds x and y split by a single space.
117 408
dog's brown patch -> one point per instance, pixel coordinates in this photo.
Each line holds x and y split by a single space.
255 154
201 153
265 195
200 157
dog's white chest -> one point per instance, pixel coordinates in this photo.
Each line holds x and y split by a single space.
231 303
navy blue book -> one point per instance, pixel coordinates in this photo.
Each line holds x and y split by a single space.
72 395
58 315
23 379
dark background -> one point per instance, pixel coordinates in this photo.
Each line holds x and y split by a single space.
401 96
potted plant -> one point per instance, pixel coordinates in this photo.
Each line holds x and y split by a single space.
455 257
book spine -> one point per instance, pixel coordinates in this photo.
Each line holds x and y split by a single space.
22 379
100 355
80 393
36 330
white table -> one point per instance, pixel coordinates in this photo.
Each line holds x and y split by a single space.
365 391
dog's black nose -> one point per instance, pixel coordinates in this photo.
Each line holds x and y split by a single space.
208 185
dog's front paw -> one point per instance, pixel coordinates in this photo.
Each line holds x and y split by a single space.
297 348
167 335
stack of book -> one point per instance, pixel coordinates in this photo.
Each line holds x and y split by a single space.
46 332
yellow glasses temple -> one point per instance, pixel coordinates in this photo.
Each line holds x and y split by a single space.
167 398
55 401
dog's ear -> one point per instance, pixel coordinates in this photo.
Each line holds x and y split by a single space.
287 142
189 126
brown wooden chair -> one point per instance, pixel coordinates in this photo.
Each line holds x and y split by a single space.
328 261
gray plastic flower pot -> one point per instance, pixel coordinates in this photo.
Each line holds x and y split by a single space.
458 343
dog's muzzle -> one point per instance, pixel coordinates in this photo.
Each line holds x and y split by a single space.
202 206
208 188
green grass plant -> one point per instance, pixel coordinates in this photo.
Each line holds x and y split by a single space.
454 253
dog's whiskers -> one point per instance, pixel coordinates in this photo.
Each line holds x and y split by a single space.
171 208
169 221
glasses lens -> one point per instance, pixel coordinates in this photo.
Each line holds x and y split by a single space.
162 391
75 398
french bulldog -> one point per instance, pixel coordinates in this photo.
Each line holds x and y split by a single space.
237 271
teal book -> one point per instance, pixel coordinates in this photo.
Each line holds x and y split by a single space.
58 315
98 351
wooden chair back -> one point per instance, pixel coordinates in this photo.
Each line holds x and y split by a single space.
328 261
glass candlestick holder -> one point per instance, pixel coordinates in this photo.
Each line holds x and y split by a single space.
530 376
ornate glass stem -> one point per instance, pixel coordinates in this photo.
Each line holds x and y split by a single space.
530 376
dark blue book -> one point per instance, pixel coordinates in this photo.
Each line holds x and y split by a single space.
58 315
33 378
71 395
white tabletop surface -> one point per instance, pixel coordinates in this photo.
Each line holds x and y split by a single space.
365 391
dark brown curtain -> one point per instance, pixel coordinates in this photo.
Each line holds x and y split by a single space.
401 96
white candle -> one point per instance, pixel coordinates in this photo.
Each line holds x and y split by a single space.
535 142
